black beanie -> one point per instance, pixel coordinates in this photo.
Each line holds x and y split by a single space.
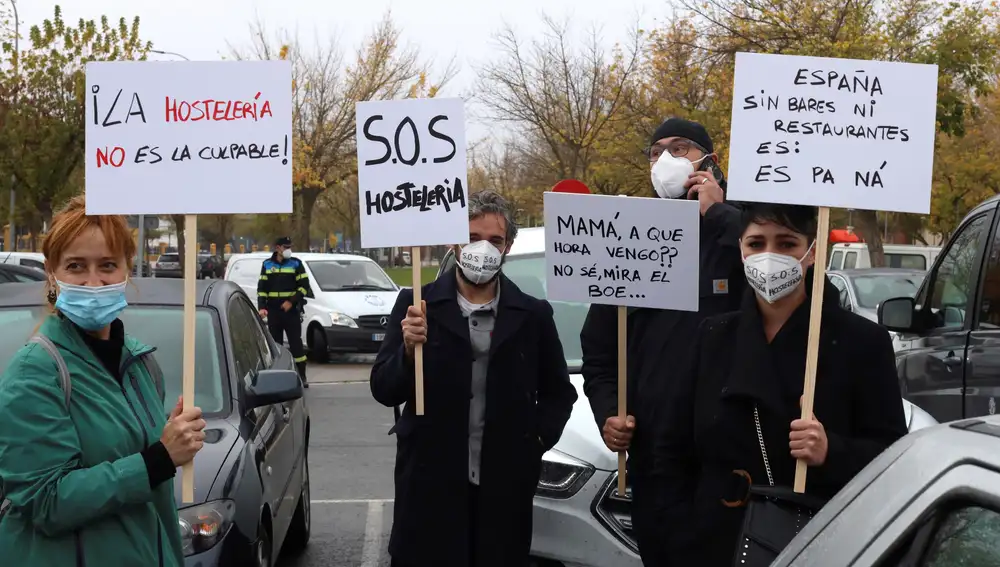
683 129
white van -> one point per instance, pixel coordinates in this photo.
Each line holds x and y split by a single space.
350 303
26 259
854 256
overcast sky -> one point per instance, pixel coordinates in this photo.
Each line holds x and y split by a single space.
443 29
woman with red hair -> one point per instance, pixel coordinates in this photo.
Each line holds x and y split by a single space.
86 475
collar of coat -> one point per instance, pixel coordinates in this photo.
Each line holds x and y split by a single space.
67 336
754 377
513 307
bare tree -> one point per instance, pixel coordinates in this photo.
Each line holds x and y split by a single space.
326 87
559 99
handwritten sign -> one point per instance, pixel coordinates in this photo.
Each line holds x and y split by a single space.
622 250
412 183
833 132
189 137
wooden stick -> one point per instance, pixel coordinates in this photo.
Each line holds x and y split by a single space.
622 385
418 352
190 279
815 320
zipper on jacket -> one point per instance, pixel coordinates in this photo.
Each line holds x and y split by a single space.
142 398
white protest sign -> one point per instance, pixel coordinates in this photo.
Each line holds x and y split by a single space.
622 250
189 137
833 132
412 183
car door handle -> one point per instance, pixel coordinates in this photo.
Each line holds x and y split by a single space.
951 361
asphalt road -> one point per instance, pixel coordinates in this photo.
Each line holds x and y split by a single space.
351 459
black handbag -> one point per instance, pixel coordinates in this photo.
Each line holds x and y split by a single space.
774 516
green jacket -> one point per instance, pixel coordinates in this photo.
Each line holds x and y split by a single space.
76 481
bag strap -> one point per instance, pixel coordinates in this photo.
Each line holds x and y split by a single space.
763 449
64 379
156 373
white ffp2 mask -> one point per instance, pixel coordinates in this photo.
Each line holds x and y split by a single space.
479 261
774 276
669 174
286 253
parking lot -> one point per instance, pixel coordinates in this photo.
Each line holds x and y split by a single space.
351 459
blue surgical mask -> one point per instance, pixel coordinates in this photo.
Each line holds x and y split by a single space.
91 308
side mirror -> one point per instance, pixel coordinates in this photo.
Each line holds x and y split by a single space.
273 387
896 314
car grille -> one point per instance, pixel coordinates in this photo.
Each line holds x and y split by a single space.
614 512
372 321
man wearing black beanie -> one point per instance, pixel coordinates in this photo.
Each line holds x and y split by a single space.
682 165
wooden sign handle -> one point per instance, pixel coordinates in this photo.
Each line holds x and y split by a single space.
418 352
815 320
190 280
622 385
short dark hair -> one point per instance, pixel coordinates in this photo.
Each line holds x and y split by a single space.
491 202
799 218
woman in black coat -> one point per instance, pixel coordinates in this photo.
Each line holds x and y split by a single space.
707 445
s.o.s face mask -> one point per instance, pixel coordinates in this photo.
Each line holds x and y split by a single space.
480 262
91 308
669 174
774 276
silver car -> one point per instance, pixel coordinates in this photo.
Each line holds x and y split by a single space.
579 518
932 499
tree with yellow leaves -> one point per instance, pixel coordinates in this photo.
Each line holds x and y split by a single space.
326 86
961 39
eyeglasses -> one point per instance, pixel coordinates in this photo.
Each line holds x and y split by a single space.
678 148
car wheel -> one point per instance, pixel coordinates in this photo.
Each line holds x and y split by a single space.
319 349
262 550
299 531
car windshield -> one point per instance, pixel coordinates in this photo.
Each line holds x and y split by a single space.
159 327
528 272
873 290
350 275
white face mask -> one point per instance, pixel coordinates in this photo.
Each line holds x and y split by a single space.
669 174
286 253
774 276
480 261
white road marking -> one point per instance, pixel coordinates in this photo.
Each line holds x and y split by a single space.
371 552
355 501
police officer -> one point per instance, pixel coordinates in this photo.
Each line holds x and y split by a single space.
281 295
682 166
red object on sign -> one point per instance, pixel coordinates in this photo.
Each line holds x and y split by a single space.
571 186
841 235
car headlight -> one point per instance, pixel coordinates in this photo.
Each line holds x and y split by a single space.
562 476
205 525
342 320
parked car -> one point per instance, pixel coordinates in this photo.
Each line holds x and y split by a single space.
168 266
580 520
252 478
854 256
348 308
930 500
949 359
862 291
11 273
26 259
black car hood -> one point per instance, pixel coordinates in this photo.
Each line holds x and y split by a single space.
220 436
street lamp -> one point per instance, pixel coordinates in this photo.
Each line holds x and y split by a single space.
142 218
159 52
12 245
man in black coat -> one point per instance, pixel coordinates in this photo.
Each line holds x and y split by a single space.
683 164
497 396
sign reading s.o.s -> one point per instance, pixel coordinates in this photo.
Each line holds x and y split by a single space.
412 183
